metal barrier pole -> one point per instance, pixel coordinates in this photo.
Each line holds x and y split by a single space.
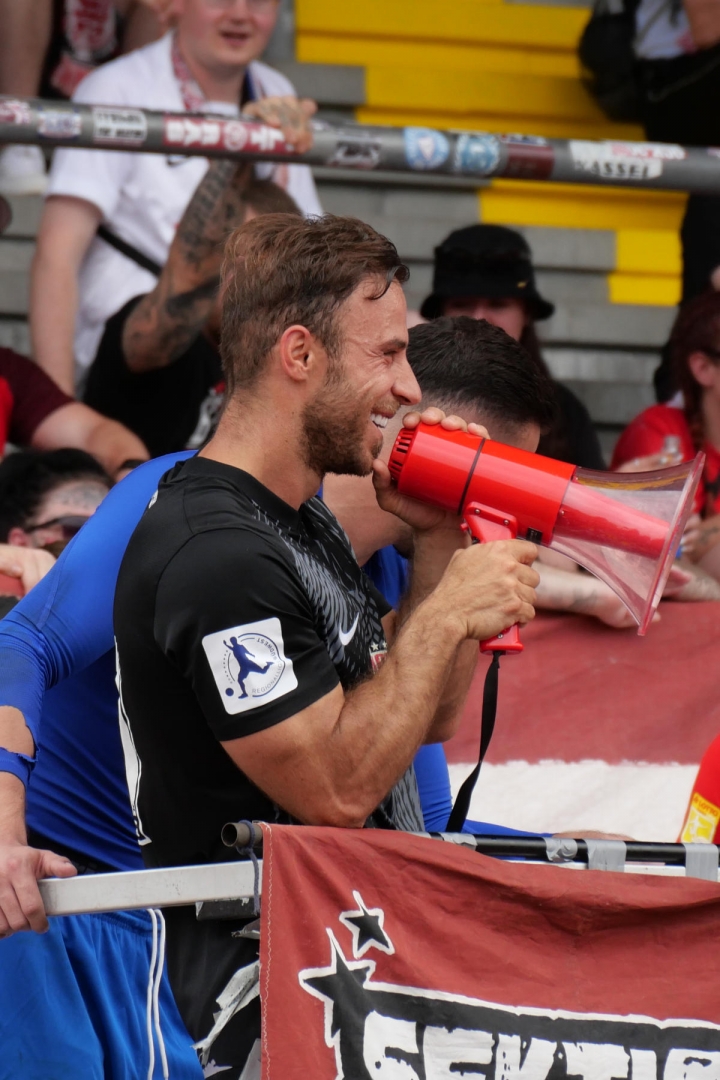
218 883
174 887
539 849
361 147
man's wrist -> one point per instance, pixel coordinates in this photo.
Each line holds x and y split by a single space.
433 617
439 542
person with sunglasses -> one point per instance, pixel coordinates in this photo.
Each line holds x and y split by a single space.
45 499
47 496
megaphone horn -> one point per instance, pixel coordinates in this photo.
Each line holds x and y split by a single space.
623 527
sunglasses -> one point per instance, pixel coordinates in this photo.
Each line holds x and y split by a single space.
70 525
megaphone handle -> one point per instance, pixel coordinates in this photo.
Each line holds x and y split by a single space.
485 523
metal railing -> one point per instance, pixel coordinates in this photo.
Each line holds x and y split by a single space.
361 148
214 885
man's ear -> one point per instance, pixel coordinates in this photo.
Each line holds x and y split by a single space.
300 353
704 370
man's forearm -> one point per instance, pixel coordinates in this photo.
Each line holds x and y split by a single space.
12 810
113 444
53 306
167 320
16 737
384 721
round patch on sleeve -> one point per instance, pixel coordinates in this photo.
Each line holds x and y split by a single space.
249 665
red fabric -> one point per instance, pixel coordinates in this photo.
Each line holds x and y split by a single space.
458 958
582 690
646 434
33 396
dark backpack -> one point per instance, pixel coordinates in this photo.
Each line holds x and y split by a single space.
606 54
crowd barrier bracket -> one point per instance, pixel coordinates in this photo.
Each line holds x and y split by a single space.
362 148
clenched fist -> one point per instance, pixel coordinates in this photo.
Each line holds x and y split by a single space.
487 588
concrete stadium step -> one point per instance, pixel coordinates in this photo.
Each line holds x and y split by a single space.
492 65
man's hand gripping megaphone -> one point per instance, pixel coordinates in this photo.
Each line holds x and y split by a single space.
491 589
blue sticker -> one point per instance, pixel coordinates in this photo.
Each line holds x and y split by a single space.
58 123
476 154
425 149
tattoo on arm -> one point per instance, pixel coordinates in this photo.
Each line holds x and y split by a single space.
167 320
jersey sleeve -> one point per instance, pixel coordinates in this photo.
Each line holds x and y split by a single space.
231 615
646 434
35 395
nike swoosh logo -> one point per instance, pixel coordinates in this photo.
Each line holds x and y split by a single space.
346 637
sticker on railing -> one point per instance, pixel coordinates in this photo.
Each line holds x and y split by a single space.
623 161
477 154
528 156
127 127
59 123
15 112
425 149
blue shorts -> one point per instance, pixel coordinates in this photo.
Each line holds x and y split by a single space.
74 1003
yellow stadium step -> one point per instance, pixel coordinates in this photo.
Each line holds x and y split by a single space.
483 21
586 206
646 224
435 56
466 93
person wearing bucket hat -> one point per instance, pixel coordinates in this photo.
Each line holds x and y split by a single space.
486 272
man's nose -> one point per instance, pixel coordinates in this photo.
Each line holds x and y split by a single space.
406 387
484 311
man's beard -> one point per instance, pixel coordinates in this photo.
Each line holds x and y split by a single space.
334 432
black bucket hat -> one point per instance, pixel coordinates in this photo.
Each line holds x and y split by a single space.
484 260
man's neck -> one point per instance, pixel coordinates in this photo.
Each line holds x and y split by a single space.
267 448
711 419
218 84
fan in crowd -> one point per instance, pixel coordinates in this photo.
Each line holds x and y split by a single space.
110 216
676 431
486 272
47 47
157 368
45 499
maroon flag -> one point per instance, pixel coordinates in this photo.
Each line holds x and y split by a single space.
394 957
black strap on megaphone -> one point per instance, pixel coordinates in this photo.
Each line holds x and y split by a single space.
460 810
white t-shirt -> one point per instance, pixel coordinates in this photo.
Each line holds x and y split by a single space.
143 196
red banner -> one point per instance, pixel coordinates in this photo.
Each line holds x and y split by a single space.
394 957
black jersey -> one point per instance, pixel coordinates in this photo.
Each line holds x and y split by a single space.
233 612
170 408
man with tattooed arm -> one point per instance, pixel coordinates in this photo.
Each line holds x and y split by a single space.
158 369
111 215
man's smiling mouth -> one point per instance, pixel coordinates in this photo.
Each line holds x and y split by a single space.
379 420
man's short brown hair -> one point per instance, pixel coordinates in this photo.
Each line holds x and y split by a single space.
280 270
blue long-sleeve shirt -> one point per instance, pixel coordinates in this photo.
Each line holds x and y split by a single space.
57 666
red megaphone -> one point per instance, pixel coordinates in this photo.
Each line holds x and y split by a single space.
623 527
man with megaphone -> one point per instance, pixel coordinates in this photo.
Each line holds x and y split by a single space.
234 550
